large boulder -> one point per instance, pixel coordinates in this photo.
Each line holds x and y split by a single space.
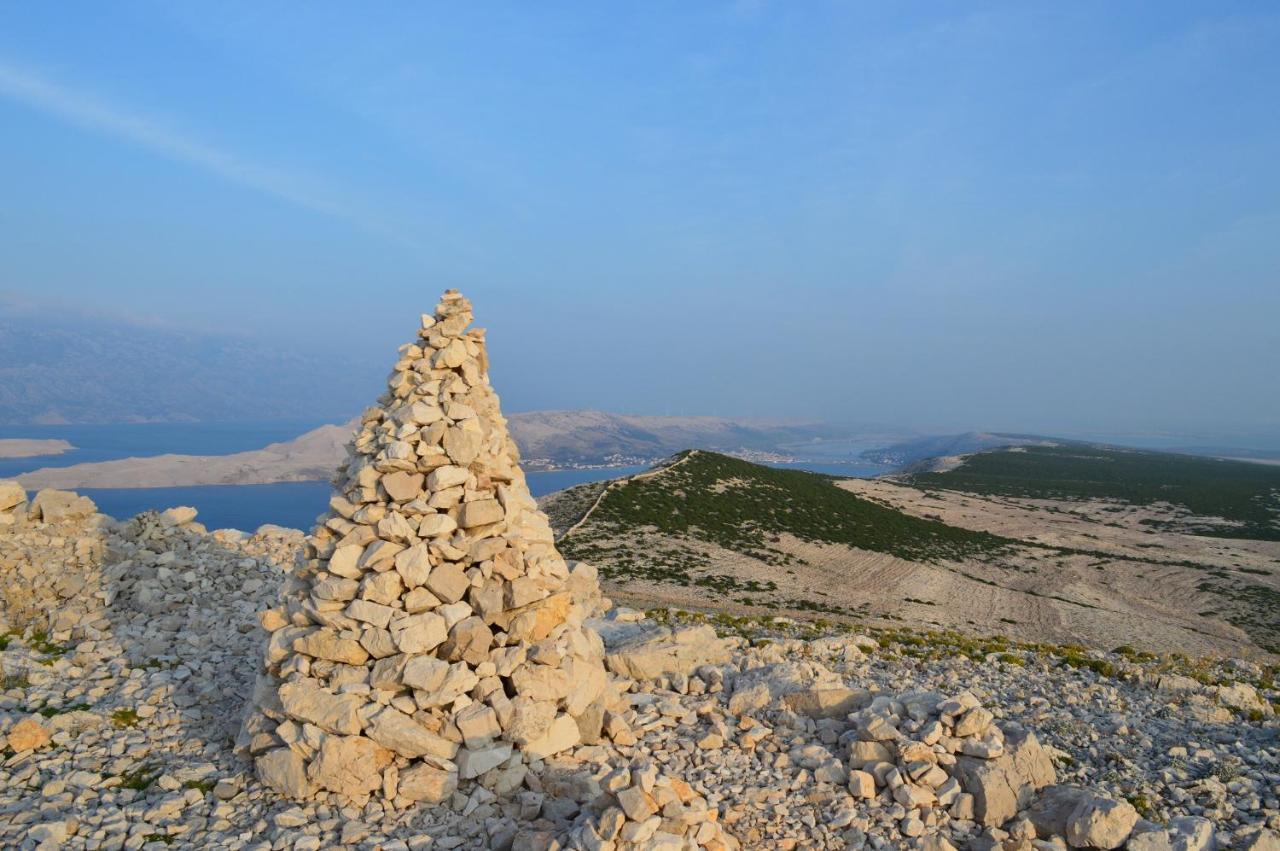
1184 833
427 784
1054 808
646 652
1258 839
349 765
803 686
584 585
286 772
1006 784
829 702
1101 822
12 495
307 701
1244 698
54 506
1084 818
27 735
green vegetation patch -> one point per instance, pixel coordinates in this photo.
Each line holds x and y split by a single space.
14 680
50 711
125 718
744 507
1246 495
140 777
650 528
40 642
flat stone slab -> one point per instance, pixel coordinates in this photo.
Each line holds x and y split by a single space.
648 651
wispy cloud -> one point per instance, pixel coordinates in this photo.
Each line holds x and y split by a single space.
98 115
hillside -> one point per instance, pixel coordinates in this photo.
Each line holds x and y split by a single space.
718 533
745 508
1207 496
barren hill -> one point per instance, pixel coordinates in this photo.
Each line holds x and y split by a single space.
17 447
312 457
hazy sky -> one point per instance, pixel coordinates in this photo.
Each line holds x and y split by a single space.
1006 215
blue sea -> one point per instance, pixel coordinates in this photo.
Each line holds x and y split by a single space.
292 504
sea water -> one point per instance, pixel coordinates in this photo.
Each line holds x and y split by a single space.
292 504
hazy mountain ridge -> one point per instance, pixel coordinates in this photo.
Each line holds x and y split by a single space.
939 446
58 367
586 437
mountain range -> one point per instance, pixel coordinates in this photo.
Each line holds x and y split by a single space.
60 366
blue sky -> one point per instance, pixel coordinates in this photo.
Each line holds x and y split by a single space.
1009 215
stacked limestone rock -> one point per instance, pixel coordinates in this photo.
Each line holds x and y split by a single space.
433 633
935 755
13 501
59 528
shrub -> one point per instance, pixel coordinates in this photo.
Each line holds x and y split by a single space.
125 718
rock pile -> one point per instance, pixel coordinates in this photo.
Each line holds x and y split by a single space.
58 527
433 634
934 754
642 809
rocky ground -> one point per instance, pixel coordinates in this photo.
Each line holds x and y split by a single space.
130 650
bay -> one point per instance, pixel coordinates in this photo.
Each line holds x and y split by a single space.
292 504
298 504
246 507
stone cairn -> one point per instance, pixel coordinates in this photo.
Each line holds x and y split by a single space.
433 633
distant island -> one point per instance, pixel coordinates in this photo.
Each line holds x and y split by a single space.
312 457
21 447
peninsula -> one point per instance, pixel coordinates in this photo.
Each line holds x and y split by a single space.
22 447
